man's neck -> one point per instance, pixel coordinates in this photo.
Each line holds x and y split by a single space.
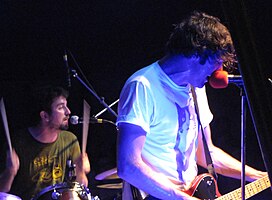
177 67
44 134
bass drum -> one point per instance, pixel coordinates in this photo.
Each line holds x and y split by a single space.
6 196
65 191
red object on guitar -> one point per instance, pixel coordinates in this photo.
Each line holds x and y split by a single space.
204 187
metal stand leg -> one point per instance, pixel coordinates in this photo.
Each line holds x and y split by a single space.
243 142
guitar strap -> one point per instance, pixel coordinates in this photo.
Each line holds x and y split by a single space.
208 157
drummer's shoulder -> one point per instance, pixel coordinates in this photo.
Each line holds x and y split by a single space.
68 135
22 133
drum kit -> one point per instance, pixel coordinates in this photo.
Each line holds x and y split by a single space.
71 190
65 191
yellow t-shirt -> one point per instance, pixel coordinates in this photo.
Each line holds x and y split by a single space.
42 165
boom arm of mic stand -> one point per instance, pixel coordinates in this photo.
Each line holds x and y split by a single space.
102 111
101 100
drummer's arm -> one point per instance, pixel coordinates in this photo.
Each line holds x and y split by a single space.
82 168
8 175
6 180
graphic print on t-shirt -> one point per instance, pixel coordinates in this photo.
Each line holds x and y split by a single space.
47 169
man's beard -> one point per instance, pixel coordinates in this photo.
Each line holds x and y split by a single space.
64 127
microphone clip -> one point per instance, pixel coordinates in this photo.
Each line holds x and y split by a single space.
93 120
236 79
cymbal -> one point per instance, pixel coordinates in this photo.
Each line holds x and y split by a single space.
8 196
108 175
111 186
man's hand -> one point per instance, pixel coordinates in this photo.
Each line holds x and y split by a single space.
12 163
12 167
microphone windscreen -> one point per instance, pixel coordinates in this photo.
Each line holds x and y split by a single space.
219 79
74 119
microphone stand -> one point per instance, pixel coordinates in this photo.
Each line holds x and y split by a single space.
243 140
237 80
102 111
100 99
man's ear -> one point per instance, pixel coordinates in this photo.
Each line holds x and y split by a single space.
197 59
44 116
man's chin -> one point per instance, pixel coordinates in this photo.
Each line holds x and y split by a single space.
64 127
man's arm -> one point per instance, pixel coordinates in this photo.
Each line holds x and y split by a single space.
82 168
8 175
133 169
224 163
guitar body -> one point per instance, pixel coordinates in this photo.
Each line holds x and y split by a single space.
203 187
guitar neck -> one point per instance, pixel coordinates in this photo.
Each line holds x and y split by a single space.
250 189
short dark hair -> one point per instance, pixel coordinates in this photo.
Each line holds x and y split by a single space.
43 98
202 35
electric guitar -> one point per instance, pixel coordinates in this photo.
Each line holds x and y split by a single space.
205 187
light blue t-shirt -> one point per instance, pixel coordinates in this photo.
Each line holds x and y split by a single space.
151 100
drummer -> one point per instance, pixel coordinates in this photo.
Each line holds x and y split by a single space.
41 151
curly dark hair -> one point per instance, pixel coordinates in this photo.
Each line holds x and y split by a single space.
202 35
42 99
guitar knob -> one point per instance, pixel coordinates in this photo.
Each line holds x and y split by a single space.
209 183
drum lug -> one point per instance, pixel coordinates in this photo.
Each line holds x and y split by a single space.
55 195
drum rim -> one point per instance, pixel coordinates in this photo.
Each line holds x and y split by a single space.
63 185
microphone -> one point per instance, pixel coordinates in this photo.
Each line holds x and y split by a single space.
77 120
221 79
65 59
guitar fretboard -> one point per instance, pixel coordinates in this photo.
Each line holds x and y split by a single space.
250 190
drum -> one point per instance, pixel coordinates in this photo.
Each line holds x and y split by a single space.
64 191
6 196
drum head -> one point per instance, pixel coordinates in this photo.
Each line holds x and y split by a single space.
6 196
64 191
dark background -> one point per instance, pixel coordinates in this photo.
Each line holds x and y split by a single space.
109 41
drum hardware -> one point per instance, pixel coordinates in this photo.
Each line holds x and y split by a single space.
55 194
70 174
